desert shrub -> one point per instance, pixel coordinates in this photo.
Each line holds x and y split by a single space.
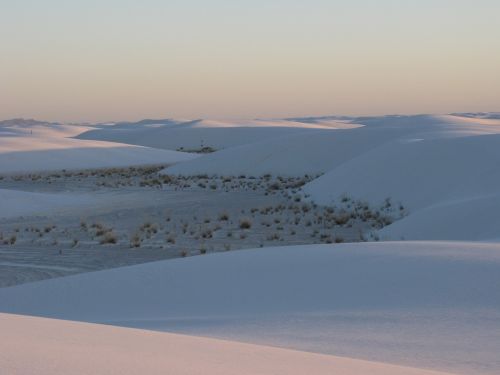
135 241
341 219
245 224
203 249
275 186
207 233
99 229
273 237
149 228
109 238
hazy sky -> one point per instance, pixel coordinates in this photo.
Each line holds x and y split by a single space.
98 60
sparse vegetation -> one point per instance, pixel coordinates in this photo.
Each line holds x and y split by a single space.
245 224
109 238
286 215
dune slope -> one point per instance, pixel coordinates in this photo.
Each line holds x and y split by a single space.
404 303
49 147
52 347
319 151
176 134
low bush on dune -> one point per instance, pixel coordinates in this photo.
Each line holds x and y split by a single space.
109 238
245 224
223 216
135 241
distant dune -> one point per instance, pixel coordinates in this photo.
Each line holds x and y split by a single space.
175 135
436 166
33 146
444 170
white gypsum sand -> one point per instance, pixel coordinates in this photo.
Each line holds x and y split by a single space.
49 147
37 346
408 303
426 304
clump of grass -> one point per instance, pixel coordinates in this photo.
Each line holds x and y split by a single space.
203 249
207 233
273 237
245 224
12 239
149 228
223 216
342 219
100 229
339 239
109 238
135 241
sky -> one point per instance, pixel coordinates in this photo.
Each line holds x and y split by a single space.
104 60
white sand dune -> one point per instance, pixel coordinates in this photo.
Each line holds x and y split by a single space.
37 346
434 173
432 305
474 218
22 203
50 147
321 151
409 303
174 134
433 165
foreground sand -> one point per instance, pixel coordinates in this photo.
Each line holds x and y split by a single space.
45 346
431 305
